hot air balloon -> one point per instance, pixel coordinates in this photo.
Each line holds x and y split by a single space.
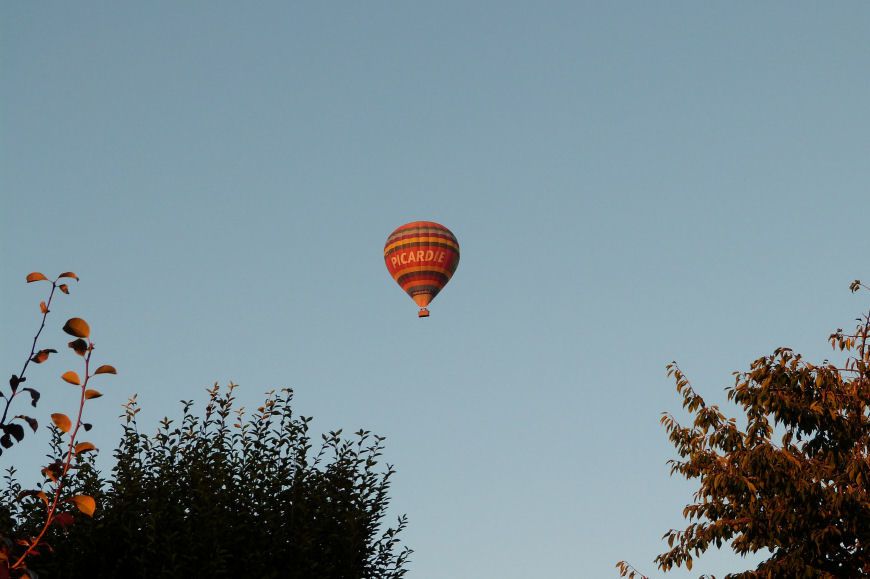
422 256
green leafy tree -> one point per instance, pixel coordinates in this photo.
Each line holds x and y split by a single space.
795 480
227 495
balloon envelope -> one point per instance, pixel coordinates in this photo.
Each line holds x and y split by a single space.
422 256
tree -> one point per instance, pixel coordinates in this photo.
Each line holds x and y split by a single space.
229 496
795 480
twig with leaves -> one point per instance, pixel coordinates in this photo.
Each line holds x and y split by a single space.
56 474
13 432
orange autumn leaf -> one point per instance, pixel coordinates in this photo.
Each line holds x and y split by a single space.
72 378
77 327
35 276
42 355
63 519
62 421
89 393
79 346
106 369
84 447
85 504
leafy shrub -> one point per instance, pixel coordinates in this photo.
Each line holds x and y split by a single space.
225 495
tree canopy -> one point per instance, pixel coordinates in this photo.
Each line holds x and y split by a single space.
224 495
791 477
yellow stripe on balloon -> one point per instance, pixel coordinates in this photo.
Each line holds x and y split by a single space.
422 239
421 269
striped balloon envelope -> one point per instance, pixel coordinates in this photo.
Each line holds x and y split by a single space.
422 256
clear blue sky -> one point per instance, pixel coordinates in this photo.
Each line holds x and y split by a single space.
631 183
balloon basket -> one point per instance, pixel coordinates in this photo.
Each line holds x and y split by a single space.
423 313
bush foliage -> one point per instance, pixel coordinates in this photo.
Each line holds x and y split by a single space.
224 495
